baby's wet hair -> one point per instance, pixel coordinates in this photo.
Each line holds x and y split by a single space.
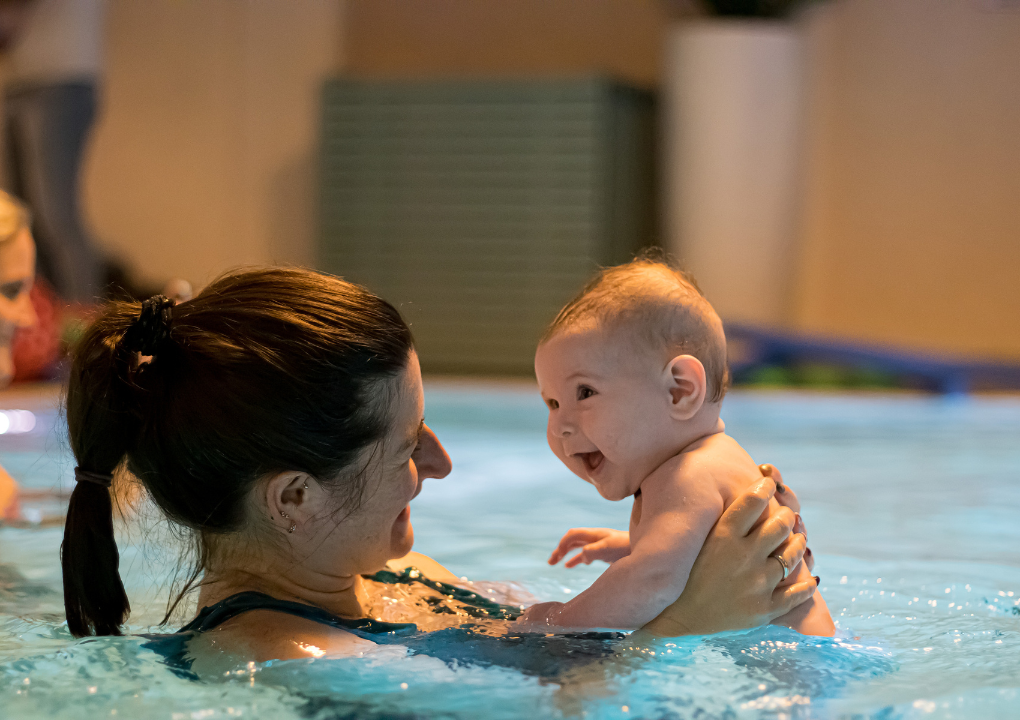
661 306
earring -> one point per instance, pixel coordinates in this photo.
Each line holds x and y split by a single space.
306 484
284 515
292 528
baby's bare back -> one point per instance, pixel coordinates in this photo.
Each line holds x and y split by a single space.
719 461
720 458
715 465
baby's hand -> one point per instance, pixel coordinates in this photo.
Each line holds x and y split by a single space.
595 543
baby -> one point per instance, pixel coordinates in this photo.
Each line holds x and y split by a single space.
633 371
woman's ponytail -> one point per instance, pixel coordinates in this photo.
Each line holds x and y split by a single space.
103 421
94 597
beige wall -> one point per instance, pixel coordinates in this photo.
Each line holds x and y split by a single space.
909 228
912 205
202 158
414 38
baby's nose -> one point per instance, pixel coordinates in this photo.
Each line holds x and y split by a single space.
564 428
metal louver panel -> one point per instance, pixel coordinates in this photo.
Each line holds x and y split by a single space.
479 208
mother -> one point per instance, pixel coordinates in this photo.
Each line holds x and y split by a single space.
279 415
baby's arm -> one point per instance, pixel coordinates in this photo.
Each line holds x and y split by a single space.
676 519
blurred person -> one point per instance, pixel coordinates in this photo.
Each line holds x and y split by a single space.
54 53
17 275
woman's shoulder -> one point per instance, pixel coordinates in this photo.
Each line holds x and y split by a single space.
262 635
428 567
259 634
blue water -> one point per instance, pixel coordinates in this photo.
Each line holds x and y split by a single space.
912 506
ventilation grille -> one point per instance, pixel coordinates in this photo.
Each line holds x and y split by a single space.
479 208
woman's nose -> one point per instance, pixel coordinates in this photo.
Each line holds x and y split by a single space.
25 315
431 459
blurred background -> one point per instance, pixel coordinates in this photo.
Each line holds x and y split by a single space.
842 176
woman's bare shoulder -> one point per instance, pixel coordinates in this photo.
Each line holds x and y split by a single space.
429 567
262 635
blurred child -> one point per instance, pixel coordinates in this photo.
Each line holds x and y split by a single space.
633 372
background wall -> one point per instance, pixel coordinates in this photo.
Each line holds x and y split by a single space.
203 156
911 222
910 234
415 38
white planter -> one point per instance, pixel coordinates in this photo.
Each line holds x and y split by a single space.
732 114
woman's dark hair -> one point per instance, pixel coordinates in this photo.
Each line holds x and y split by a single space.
265 371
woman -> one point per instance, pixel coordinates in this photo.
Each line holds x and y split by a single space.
17 274
279 415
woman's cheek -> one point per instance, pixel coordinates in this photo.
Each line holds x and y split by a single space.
412 477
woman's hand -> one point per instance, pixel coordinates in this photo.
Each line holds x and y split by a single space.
733 582
787 498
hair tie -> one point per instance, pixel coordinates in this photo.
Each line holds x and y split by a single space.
91 477
152 327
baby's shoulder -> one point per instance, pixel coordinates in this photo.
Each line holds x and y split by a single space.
716 460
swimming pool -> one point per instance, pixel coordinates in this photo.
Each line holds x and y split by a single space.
912 504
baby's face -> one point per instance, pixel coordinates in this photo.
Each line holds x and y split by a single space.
608 403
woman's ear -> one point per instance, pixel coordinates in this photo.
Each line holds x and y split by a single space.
685 376
289 499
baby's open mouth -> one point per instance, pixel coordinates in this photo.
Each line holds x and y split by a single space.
592 460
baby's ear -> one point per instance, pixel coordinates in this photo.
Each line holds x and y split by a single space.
685 376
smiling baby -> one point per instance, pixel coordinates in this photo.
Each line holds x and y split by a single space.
633 371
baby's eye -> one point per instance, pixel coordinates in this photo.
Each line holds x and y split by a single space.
584 392
553 404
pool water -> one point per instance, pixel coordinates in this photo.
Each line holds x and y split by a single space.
912 505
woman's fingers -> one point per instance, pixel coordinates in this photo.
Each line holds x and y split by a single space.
785 599
792 551
776 529
771 471
744 512
784 495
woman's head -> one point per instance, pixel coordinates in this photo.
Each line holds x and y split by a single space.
225 407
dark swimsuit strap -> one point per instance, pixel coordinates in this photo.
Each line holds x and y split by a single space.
174 646
214 615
